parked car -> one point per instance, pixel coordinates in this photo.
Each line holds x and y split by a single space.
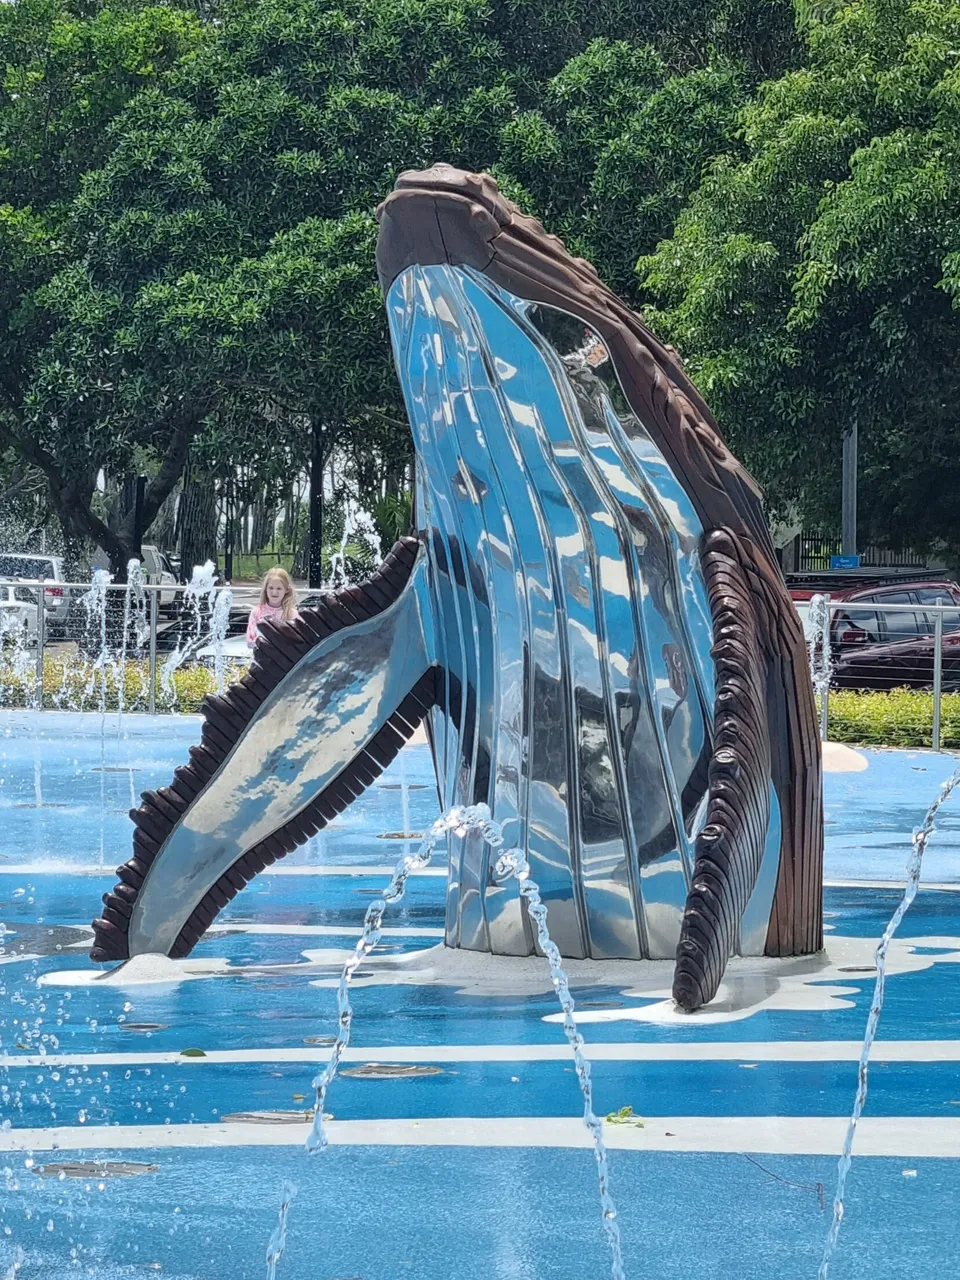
235 651
158 571
904 664
19 566
857 623
874 648
803 609
18 615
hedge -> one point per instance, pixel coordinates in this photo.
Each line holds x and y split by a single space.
895 718
82 686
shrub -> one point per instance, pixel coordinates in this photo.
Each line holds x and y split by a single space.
78 685
894 718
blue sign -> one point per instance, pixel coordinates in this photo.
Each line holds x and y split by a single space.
844 562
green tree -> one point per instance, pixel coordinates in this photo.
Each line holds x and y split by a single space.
208 285
66 73
816 278
618 144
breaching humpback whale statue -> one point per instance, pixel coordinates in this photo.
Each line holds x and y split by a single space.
590 619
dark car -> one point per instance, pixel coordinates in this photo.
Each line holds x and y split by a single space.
875 648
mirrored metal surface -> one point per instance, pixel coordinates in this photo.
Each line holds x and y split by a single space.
315 721
572 621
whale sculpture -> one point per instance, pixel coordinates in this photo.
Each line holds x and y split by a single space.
590 620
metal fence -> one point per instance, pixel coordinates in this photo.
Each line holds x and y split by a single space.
910 652
814 552
64 619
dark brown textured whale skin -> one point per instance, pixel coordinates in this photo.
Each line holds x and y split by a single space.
767 719
731 845
279 649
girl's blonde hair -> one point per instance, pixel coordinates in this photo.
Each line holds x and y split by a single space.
289 602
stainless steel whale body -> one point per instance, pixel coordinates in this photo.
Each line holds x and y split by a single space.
591 619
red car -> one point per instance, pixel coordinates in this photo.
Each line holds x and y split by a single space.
875 649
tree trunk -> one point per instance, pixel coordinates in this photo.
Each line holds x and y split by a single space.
198 523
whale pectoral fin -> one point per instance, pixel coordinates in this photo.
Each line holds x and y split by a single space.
750 708
327 703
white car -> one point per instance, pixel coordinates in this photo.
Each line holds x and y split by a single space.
803 609
39 568
18 615
236 652
159 573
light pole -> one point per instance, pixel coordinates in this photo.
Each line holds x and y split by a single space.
849 489
315 548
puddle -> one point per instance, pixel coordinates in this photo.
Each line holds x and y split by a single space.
95 1169
272 1117
390 1071
143 1026
323 1041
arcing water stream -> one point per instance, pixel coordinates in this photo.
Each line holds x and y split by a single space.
921 836
461 821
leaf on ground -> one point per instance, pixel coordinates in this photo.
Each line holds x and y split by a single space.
625 1116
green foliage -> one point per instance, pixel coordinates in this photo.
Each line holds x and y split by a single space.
393 517
899 718
618 145
66 71
77 686
814 278
188 254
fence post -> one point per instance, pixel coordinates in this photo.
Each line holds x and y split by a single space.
937 674
41 644
152 694
825 669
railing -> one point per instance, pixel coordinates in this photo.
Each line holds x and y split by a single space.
887 648
926 680
155 596
814 551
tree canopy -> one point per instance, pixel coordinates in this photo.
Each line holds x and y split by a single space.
815 278
187 243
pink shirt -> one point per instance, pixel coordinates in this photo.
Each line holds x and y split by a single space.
257 615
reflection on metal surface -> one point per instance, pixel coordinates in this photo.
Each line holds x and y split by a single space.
572 624
316 720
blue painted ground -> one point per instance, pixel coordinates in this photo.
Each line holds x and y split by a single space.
378 1213
867 816
452 1214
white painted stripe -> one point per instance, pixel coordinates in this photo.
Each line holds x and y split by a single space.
358 869
944 886
329 869
352 870
902 1136
701 1051
320 930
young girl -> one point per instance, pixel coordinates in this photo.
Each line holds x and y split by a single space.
277 602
